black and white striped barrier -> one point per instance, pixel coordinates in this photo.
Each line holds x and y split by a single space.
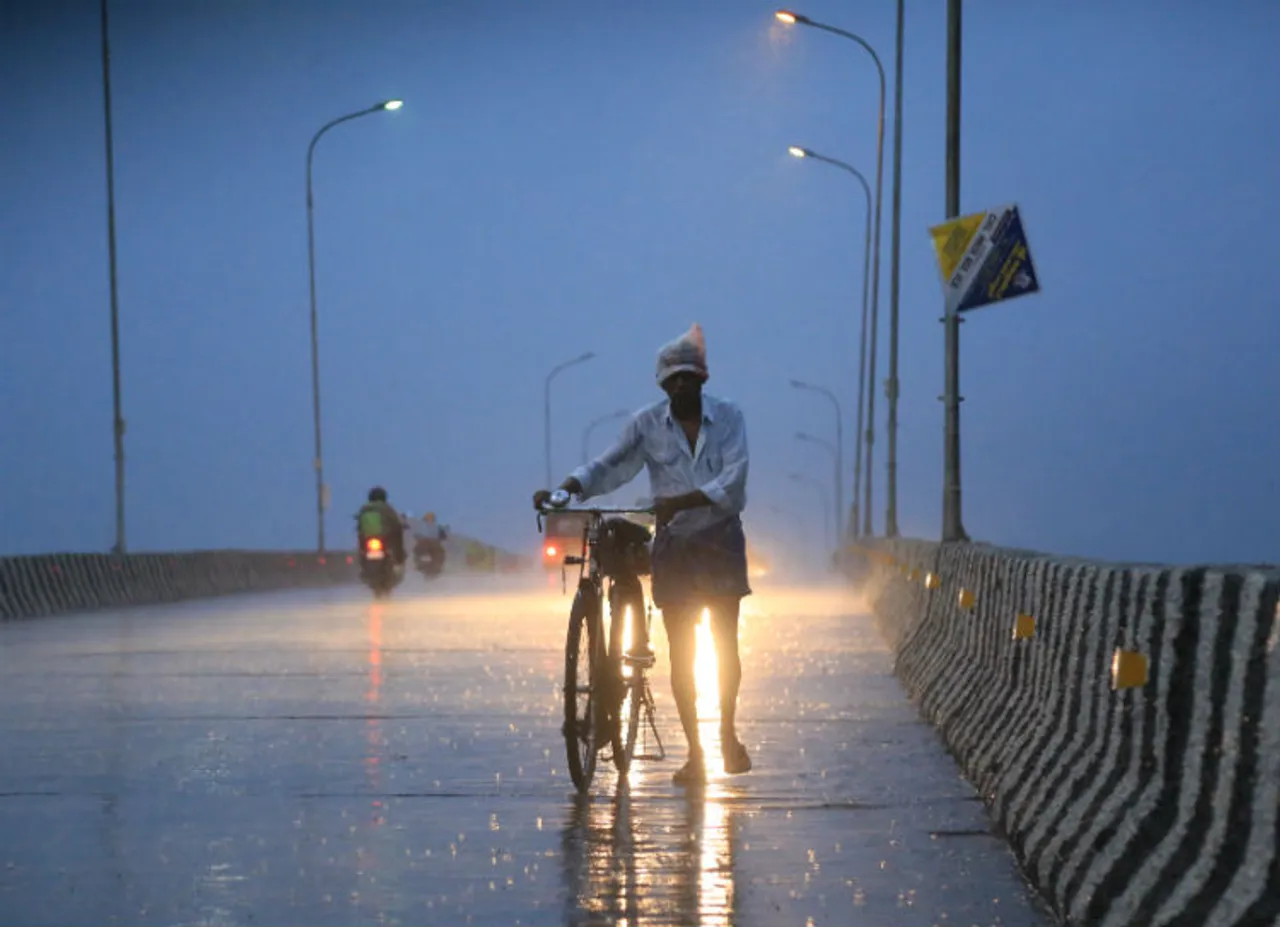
35 586
32 587
1121 722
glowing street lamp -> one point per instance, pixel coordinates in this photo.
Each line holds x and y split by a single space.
797 152
792 18
318 461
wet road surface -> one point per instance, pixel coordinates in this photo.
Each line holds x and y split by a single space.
314 758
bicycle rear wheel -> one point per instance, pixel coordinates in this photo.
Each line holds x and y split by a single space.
624 598
583 656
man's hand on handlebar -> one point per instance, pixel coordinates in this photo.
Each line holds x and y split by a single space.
666 508
543 496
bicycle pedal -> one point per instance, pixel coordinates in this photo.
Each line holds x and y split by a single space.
645 661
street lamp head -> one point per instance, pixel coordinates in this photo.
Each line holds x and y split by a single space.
790 18
799 384
797 152
392 105
586 357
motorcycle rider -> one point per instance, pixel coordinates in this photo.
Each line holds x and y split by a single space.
429 530
378 519
428 536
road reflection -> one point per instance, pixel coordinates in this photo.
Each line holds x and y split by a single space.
644 859
373 727
377 892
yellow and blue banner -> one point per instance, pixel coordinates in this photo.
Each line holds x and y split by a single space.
984 258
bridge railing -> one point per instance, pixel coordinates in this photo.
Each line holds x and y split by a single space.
47 584
1121 721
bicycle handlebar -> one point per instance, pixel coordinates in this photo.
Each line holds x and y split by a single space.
559 502
595 510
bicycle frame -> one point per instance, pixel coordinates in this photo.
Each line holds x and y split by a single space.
589 566
623 670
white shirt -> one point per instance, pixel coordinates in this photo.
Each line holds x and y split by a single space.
653 439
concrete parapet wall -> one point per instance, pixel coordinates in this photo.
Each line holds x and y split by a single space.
1122 722
35 586
466 553
32 587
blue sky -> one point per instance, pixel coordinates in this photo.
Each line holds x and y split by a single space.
568 177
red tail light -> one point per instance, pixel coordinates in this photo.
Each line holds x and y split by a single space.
551 550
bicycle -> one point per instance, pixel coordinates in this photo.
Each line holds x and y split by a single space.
614 680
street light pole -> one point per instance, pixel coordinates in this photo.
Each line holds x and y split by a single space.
117 424
838 451
814 439
787 530
891 476
586 432
546 406
855 527
835 454
318 460
823 498
787 16
952 523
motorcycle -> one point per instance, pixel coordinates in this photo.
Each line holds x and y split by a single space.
428 558
378 568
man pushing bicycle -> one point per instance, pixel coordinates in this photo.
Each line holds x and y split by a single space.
694 446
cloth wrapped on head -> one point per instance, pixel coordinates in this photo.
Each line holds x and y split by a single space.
686 353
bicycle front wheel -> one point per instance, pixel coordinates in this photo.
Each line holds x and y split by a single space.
583 656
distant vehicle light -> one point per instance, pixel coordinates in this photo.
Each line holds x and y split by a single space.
374 544
551 550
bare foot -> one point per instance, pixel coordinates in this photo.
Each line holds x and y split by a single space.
694 771
736 760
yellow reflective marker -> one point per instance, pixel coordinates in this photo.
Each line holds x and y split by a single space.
967 599
931 581
1024 627
1128 669
915 574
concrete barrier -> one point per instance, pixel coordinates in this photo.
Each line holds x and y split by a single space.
35 586
1122 722
467 553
